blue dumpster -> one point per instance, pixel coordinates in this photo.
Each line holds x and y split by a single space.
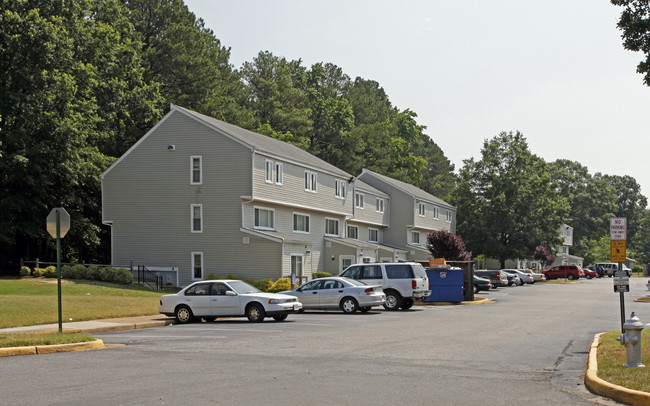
446 285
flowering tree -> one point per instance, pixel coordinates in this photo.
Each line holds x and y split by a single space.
447 245
543 255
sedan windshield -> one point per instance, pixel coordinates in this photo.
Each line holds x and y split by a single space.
242 287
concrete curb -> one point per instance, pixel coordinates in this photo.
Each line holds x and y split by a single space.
604 388
476 302
48 349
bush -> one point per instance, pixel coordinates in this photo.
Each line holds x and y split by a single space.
280 285
93 273
262 285
316 275
50 272
38 272
105 274
25 271
231 277
637 268
66 272
122 276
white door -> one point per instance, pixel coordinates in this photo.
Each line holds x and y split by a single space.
222 303
345 261
198 298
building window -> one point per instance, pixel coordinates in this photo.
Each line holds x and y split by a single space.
195 170
197 266
264 218
353 232
296 265
278 173
415 237
332 227
197 218
340 189
268 171
358 200
379 206
373 235
436 213
310 181
448 216
300 223
421 209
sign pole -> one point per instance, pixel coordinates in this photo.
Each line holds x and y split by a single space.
58 267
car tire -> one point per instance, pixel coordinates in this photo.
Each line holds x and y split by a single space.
570 277
209 319
365 309
407 303
280 317
255 313
349 305
183 315
589 276
393 300
476 289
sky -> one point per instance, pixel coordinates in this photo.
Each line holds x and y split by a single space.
555 70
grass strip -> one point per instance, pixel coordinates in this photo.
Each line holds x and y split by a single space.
34 339
611 357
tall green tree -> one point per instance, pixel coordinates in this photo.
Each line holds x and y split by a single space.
631 204
635 25
506 203
641 240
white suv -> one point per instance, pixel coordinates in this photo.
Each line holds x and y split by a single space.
403 282
611 268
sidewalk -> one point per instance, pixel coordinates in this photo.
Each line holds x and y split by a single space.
97 326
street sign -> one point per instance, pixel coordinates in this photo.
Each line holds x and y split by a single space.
618 228
64 222
621 288
618 250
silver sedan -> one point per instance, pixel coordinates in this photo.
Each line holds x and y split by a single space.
346 294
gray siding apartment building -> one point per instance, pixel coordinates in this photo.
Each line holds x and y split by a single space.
196 195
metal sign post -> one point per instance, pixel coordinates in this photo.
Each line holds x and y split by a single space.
58 224
618 240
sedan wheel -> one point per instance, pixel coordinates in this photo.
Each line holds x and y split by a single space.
255 313
570 277
349 305
393 301
407 303
280 317
365 309
183 315
476 289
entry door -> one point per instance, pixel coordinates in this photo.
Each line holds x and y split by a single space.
222 303
345 261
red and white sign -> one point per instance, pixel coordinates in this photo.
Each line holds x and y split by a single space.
618 229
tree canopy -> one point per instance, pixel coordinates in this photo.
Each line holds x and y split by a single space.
635 25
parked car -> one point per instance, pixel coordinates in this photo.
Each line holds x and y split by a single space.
589 273
402 282
599 270
497 277
481 284
233 298
648 285
524 276
346 294
513 278
537 277
569 272
611 267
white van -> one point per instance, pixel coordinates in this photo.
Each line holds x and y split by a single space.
611 267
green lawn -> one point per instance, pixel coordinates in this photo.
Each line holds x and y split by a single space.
32 339
611 357
32 301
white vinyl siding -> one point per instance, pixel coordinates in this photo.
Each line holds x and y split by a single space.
196 173
358 200
196 213
331 227
310 181
373 235
353 232
300 223
197 266
264 218
339 189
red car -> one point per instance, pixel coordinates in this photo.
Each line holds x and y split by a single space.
589 273
569 272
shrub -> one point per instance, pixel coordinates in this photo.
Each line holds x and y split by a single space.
38 272
105 274
66 272
262 285
637 268
25 271
211 277
232 277
280 285
122 276
93 273
316 275
50 272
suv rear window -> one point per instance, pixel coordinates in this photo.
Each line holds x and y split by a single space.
399 271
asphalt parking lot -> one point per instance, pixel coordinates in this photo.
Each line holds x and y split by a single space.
528 347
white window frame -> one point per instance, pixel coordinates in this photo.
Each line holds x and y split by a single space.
311 180
258 227
339 189
294 264
448 216
268 171
436 213
413 234
379 205
200 170
202 265
192 218
306 216
338 231
358 200
376 231
279 174
422 209
356 233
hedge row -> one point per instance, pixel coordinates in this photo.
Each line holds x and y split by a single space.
93 273
268 285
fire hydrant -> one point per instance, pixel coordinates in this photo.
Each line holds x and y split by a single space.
631 339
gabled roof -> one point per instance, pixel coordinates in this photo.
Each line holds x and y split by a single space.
364 187
407 188
265 144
